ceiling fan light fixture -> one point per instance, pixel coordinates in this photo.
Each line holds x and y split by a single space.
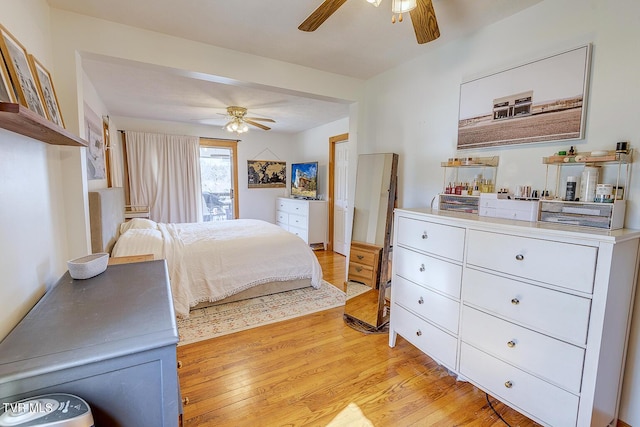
403 6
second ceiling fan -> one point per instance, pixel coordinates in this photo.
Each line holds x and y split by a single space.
238 121
422 14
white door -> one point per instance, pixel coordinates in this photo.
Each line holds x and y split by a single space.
340 243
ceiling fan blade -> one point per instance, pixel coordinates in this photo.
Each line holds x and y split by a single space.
318 16
260 125
260 119
424 22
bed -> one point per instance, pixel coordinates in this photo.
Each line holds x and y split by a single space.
211 262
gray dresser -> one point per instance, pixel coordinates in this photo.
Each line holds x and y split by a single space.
110 339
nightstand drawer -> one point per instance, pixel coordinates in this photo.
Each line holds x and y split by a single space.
562 264
363 257
362 273
553 360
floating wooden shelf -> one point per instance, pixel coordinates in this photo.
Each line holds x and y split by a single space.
19 119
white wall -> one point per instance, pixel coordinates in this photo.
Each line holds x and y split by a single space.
413 109
40 188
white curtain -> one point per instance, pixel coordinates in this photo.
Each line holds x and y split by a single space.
164 173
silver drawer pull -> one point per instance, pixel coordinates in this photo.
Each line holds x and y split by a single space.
424 235
508 384
515 301
511 344
421 300
422 267
419 333
520 257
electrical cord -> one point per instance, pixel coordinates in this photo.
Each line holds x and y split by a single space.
494 410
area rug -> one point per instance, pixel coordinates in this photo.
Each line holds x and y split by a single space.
211 322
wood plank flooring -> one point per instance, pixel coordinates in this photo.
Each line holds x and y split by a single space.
304 371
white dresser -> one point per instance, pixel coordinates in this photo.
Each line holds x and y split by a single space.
534 314
304 218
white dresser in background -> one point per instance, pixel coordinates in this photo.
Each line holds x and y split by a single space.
304 218
535 314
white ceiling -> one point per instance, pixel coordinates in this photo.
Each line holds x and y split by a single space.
358 40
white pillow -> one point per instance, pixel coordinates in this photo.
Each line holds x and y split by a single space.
138 223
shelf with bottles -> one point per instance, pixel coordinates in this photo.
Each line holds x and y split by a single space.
471 162
474 175
621 160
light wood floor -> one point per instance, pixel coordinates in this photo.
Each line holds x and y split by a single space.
304 371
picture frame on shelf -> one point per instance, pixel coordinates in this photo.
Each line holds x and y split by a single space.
540 101
47 91
20 72
7 93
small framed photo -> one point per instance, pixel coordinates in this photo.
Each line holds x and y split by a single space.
6 89
47 91
17 60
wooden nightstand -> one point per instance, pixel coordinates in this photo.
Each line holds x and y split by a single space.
364 263
130 259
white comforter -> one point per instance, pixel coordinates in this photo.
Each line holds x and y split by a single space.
211 261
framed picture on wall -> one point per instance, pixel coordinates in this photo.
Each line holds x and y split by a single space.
266 174
23 79
96 167
6 89
47 91
543 100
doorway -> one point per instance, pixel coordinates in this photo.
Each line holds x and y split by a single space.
219 179
339 195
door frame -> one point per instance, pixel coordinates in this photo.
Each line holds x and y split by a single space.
232 145
332 164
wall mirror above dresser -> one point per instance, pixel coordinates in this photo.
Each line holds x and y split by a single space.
368 272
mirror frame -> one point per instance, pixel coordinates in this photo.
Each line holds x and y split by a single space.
383 281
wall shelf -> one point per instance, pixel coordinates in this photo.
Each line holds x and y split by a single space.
21 120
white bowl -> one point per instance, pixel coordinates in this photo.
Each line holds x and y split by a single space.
88 266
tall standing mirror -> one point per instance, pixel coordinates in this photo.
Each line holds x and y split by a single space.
368 277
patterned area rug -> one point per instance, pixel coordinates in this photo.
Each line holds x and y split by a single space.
211 322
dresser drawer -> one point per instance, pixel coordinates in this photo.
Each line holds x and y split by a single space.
430 305
438 239
293 206
429 339
555 313
555 361
561 264
434 273
550 404
282 217
298 221
303 233
362 273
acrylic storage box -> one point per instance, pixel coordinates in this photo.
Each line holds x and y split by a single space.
498 206
609 216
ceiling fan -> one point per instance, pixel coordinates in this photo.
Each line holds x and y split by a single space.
422 14
238 121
